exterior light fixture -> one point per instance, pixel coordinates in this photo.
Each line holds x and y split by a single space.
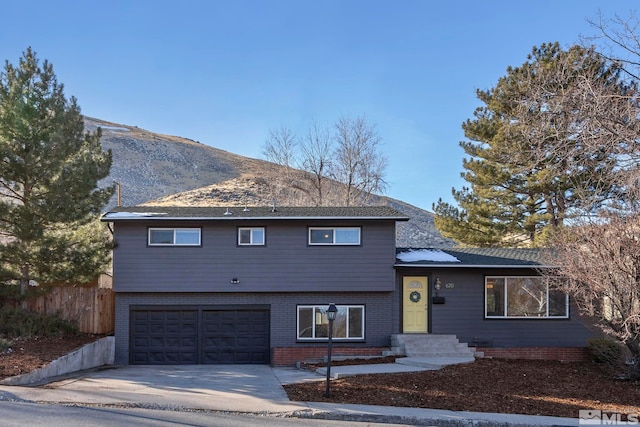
437 285
235 281
437 299
331 313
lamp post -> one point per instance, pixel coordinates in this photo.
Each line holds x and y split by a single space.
331 316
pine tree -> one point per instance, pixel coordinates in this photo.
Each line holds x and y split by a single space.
49 173
530 158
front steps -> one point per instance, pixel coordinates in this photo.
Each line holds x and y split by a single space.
430 351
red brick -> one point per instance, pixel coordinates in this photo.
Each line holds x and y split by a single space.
286 356
565 354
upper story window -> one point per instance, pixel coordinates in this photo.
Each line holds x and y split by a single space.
174 236
314 325
251 236
523 297
334 235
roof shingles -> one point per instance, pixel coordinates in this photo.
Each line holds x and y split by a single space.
220 213
483 257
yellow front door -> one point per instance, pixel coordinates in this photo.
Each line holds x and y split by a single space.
415 304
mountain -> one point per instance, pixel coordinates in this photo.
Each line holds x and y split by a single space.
158 169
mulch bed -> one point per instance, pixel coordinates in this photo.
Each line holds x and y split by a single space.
487 385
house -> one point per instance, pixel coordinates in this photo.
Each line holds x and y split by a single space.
233 285
494 299
218 285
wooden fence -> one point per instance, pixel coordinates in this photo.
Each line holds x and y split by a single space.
92 307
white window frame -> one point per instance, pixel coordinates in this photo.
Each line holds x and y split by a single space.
505 302
252 241
334 241
176 232
319 318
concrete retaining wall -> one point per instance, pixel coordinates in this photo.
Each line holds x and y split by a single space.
92 355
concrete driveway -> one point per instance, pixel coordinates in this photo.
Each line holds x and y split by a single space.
236 388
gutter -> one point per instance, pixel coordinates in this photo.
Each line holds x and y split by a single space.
160 217
471 266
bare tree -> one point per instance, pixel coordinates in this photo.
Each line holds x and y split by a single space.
619 41
281 148
598 264
329 166
316 160
358 163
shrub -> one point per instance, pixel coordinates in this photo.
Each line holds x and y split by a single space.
9 294
605 350
15 322
5 344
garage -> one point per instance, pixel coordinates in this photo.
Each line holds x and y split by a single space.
199 335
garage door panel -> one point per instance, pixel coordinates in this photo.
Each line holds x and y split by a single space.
229 336
156 342
139 329
252 341
211 343
164 337
139 358
220 357
174 336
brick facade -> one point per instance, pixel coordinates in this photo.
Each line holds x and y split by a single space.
564 354
287 356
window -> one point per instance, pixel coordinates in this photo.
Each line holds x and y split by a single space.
523 297
174 237
314 325
253 236
334 236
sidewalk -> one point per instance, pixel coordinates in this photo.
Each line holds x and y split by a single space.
243 389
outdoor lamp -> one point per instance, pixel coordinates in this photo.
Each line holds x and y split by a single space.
437 285
437 299
331 313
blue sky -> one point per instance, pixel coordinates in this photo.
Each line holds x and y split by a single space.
226 72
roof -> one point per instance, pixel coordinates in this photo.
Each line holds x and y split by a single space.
471 257
146 213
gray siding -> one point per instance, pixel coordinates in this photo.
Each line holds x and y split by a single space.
283 311
285 264
463 314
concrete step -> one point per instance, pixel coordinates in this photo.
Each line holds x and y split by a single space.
430 346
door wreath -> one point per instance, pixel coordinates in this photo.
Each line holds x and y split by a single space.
415 296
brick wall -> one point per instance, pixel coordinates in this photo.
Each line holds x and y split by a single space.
564 354
287 356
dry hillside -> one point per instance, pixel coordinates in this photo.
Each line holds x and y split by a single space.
162 169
